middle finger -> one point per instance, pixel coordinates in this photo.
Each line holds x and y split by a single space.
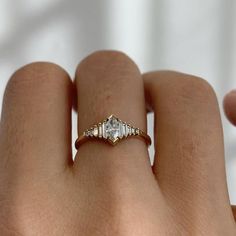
109 82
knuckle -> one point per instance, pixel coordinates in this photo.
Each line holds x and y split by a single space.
35 76
179 84
107 64
198 83
186 89
196 96
195 88
186 93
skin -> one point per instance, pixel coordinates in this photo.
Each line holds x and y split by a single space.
112 190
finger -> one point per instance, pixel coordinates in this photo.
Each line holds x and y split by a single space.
230 111
230 106
189 160
108 82
118 178
234 211
36 120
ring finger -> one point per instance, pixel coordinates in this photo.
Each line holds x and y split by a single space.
108 83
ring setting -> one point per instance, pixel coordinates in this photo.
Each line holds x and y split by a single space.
112 130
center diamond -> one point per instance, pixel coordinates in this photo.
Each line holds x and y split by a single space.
112 128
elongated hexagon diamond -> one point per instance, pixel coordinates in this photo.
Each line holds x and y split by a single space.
113 129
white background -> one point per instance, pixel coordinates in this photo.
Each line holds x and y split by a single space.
192 36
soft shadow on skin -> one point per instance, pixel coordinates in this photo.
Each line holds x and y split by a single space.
81 15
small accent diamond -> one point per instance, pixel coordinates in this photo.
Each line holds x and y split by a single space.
104 133
99 130
95 131
132 131
129 130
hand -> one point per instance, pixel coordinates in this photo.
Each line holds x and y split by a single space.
111 190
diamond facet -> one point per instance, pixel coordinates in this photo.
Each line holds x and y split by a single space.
113 129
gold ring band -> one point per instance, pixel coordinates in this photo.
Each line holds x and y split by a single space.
112 130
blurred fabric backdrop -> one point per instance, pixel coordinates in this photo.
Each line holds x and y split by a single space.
192 36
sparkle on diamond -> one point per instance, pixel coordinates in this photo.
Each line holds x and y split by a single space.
112 127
